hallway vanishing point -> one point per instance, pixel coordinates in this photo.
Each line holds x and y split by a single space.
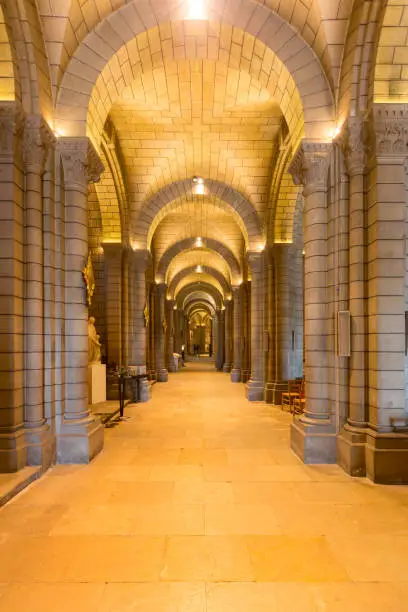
198 504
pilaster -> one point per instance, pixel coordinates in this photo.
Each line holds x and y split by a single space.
13 453
255 385
160 331
37 142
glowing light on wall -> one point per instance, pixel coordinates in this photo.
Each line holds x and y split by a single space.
196 9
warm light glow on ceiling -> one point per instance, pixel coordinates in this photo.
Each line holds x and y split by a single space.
199 242
199 269
196 9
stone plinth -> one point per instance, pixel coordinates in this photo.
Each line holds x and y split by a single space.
96 383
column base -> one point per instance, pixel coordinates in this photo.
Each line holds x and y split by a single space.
254 391
79 441
41 447
171 367
245 375
274 390
162 376
13 451
314 442
236 375
351 451
144 391
227 368
386 456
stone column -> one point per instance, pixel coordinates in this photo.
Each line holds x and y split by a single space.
255 385
137 337
228 336
219 318
176 315
113 301
285 302
13 451
387 439
37 140
246 328
151 330
313 435
161 325
80 435
351 442
237 332
170 335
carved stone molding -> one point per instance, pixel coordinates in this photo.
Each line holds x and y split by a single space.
309 166
11 128
81 162
38 140
354 142
389 135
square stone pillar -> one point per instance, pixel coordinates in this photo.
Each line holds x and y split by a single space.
228 336
38 140
169 304
160 331
13 453
255 385
138 317
236 371
80 434
113 299
386 452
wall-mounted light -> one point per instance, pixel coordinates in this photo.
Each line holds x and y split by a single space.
199 269
198 185
196 10
199 242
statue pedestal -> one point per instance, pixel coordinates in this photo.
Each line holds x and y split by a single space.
96 383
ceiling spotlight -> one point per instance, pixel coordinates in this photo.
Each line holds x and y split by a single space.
199 269
199 242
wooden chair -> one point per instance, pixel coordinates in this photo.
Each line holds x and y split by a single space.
288 397
300 401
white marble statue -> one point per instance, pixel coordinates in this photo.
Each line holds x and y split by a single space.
94 346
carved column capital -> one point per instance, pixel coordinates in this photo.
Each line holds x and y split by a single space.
309 166
389 130
81 162
354 142
11 128
38 140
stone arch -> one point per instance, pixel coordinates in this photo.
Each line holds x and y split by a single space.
199 296
359 57
197 309
203 288
206 270
199 278
188 244
198 257
295 56
201 303
241 209
9 80
23 21
390 74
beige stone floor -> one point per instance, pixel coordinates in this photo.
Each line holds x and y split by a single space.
197 504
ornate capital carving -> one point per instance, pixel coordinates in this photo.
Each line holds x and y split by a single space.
309 166
389 134
353 141
80 161
11 127
38 140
